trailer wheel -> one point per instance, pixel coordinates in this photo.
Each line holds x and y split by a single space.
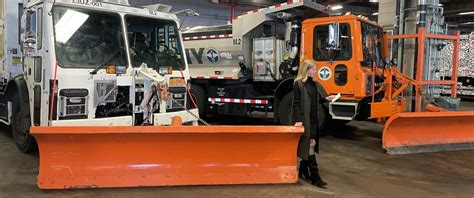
284 111
20 125
199 95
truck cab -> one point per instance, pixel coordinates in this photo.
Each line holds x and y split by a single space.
90 63
346 48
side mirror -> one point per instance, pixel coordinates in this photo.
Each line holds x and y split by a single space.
29 45
187 12
394 62
334 42
386 61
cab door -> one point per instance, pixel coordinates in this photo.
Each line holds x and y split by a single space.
33 62
335 64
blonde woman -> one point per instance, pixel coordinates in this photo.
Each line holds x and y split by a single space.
306 101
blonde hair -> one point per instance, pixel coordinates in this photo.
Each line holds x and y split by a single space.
303 70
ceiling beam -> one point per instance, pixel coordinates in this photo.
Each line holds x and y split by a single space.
452 8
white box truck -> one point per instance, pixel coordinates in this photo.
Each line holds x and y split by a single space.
89 63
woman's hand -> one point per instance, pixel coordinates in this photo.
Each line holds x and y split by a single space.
298 124
330 98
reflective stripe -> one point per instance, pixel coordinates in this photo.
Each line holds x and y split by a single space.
236 100
215 77
208 37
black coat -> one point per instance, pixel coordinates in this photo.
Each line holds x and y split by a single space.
302 101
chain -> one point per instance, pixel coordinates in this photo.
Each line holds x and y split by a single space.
181 106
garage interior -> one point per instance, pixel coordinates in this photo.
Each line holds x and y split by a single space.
351 159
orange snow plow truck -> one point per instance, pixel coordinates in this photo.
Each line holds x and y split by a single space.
355 65
352 56
415 115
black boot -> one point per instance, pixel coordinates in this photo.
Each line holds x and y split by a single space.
313 168
303 171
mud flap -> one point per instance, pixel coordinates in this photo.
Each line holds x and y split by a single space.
96 157
420 132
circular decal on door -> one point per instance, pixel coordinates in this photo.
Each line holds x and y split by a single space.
324 73
212 55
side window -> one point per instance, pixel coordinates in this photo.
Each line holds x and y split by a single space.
161 38
371 44
167 39
39 25
321 42
321 50
163 47
173 40
38 69
340 75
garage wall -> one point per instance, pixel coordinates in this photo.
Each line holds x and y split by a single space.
210 14
387 13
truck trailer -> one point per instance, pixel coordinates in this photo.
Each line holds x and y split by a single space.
249 66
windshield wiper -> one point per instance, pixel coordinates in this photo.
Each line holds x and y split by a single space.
101 65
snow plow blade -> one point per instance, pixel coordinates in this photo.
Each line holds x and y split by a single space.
97 157
421 132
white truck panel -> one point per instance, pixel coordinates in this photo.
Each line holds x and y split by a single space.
268 54
10 54
199 64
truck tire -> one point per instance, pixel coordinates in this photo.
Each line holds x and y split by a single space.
20 125
284 111
200 96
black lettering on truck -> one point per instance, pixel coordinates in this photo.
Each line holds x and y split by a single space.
196 54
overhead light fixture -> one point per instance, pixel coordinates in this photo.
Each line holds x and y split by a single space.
373 1
336 7
375 14
468 23
466 13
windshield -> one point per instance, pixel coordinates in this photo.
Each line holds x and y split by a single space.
372 44
154 42
87 38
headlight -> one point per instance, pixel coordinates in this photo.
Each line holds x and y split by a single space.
178 96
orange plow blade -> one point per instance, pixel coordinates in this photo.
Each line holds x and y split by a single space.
428 132
96 157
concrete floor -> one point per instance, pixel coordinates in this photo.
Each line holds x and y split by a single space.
351 161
